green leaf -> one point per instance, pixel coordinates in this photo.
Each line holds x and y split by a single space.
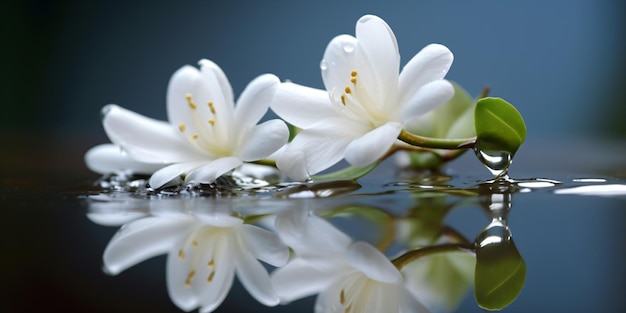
499 276
499 126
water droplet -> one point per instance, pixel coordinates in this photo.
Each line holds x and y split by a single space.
323 65
497 162
348 47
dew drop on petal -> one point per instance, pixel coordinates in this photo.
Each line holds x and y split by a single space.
348 47
323 65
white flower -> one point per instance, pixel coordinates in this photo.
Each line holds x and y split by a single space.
349 276
207 135
204 252
369 103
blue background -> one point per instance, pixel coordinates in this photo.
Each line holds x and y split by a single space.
560 62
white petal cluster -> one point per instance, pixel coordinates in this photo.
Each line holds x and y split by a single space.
204 253
207 134
367 100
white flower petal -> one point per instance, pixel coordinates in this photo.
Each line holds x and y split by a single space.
378 47
174 171
339 61
183 82
431 63
215 88
222 80
427 98
109 158
264 139
210 171
214 282
298 279
265 245
319 147
142 239
302 106
372 263
219 219
372 146
308 234
255 278
145 139
255 100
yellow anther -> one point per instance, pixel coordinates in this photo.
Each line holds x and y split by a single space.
211 263
342 297
212 107
347 90
195 136
189 277
343 99
353 80
210 278
353 74
192 105
348 309
194 243
211 121
181 127
181 254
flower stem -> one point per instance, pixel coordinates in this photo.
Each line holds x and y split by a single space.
410 256
436 143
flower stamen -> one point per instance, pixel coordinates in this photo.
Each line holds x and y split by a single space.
347 90
192 104
212 107
210 278
182 127
191 274
195 136
212 122
343 99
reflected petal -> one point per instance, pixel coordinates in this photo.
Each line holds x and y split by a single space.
255 278
372 263
265 245
143 239
298 279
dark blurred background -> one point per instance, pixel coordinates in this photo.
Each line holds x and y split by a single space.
561 63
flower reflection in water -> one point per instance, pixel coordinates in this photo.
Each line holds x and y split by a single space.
354 255
205 248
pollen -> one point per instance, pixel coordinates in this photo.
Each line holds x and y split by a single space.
353 80
195 136
348 90
210 278
212 107
211 121
353 74
194 243
181 127
181 254
343 99
211 263
192 104
342 297
189 277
